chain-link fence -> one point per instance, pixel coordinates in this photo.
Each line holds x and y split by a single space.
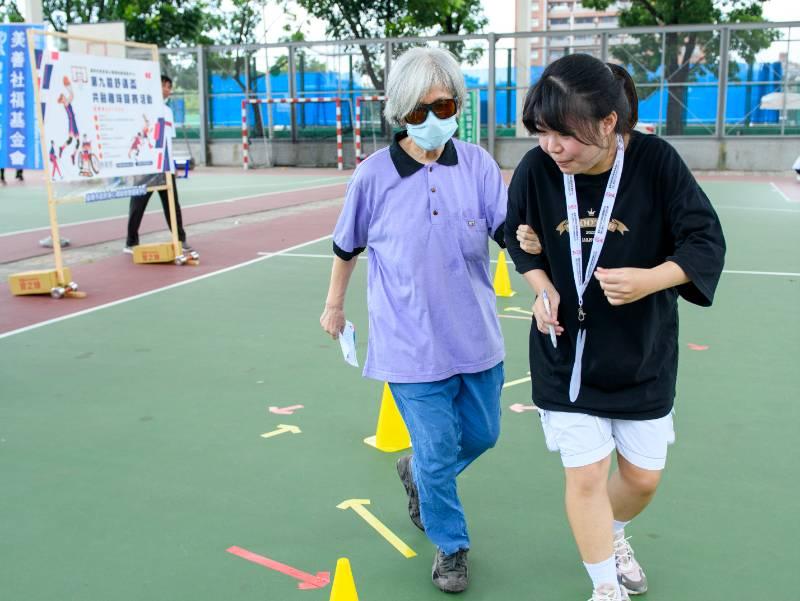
712 81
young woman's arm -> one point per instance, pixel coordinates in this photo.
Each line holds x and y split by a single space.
629 284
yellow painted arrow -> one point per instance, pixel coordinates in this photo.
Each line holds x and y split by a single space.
357 505
282 429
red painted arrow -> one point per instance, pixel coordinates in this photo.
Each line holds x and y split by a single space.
307 581
697 347
520 408
285 410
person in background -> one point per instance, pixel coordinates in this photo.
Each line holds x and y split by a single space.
17 176
139 203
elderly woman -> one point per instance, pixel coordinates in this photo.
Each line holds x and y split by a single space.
426 208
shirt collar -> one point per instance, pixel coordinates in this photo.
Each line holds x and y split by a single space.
406 166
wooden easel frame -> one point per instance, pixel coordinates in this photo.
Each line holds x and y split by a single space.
52 202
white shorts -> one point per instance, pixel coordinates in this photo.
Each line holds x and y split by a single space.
585 439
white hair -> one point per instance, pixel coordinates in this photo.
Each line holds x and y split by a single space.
414 74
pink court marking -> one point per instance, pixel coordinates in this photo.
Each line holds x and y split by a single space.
697 347
307 581
285 410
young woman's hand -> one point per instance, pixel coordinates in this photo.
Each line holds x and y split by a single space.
543 319
528 240
625 285
332 321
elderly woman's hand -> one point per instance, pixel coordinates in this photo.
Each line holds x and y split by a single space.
332 321
528 240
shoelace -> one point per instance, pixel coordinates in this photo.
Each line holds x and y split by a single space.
606 595
623 553
452 562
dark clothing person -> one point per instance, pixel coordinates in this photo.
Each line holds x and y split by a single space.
138 207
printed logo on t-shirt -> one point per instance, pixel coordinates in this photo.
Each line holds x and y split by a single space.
589 224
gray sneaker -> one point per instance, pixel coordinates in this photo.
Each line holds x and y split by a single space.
451 572
629 573
407 478
607 592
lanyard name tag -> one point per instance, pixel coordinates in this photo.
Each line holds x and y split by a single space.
576 249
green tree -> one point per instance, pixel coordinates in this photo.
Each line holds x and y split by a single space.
370 19
9 12
161 22
683 50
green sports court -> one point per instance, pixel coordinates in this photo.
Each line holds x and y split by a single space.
131 447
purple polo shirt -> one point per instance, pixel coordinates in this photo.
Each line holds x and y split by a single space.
430 297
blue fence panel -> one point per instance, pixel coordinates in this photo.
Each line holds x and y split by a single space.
701 100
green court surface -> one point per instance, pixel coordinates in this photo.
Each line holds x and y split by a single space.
25 207
131 454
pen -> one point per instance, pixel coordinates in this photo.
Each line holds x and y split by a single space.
546 302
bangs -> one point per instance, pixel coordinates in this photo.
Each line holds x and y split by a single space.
549 107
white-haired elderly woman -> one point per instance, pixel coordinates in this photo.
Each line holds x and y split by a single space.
425 207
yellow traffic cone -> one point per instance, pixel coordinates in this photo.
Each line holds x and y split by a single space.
502 283
344 587
392 434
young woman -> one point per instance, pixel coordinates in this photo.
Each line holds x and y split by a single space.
625 230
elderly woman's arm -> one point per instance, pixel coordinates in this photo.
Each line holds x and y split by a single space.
332 319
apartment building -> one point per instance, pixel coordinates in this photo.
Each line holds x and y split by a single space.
562 16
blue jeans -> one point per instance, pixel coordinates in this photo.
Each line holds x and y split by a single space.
451 423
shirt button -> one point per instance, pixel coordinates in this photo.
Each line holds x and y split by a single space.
435 212
433 189
430 169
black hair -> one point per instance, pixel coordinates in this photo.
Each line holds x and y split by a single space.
166 79
575 93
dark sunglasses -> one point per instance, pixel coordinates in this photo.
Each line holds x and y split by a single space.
443 109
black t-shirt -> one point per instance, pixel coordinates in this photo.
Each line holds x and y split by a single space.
630 360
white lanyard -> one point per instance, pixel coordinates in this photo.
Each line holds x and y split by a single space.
576 249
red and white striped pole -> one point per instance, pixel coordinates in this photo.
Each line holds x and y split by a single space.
357 124
245 141
339 156
357 130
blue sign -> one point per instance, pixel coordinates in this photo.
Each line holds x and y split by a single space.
20 145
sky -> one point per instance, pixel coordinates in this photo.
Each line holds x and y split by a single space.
501 19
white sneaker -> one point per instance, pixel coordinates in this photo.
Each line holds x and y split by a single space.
128 250
607 592
629 573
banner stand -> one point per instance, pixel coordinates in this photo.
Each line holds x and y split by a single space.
58 282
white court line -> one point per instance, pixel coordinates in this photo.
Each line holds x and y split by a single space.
757 209
264 256
183 208
775 273
730 271
157 290
781 192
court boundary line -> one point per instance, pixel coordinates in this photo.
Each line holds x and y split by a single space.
781 192
183 208
126 299
728 271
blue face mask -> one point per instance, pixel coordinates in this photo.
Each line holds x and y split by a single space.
434 132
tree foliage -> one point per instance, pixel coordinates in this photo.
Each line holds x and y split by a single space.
165 23
685 54
369 19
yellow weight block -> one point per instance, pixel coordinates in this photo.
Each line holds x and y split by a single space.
37 282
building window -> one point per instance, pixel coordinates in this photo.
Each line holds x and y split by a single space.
535 55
